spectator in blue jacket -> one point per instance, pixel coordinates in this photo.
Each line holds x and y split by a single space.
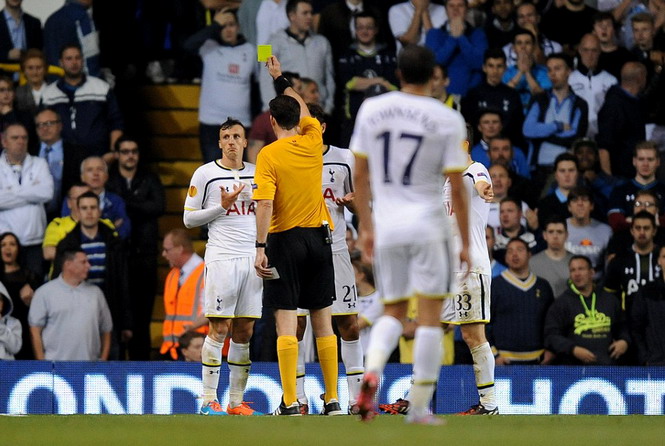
459 47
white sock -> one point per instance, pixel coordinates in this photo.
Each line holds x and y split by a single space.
352 356
427 354
483 368
211 358
382 341
239 365
300 374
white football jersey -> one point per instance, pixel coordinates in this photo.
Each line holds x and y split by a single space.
478 213
409 141
233 233
337 181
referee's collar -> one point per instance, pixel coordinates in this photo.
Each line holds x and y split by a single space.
219 164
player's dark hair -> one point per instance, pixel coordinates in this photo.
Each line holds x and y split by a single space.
643 215
561 56
286 111
416 64
581 257
469 135
292 5
317 112
494 53
89 194
556 220
230 122
69 46
565 157
579 192
444 70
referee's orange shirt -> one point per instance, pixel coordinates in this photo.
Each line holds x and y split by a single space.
288 171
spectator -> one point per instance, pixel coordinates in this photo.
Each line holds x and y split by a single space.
584 327
440 83
501 28
586 236
143 195
191 343
565 177
21 284
73 24
621 241
95 173
69 318
302 51
86 104
557 117
229 63
29 95
631 270
8 113
621 122
568 23
247 18
528 18
19 32
271 17
25 185
526 76
108 265
64 159
497 268
183 291
490 126
590 83
646 160
653 57
261 133
310 91
459 47
520 302
11 332
646 320
493 94
366 66
410 21
612 56
501 151
502 186
591 175
552 263
510 215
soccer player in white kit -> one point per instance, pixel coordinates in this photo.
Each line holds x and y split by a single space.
337 185
220 195
470 307
404 143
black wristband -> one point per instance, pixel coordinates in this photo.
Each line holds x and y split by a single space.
281 84
260 245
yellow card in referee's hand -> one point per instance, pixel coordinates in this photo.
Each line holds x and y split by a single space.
263 52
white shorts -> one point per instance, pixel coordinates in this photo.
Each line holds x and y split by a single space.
346 295
232 289
402 272
471 301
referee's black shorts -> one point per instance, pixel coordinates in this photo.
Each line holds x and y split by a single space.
305 266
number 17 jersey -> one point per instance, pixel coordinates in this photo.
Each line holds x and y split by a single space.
409 142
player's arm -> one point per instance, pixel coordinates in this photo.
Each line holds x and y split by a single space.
485 190
363 210
263 216
461 206
275 71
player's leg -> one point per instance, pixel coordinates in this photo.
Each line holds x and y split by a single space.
300 371
483 367
239 366
326 346
352 354
211 358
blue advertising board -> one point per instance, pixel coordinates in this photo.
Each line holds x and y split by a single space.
39 387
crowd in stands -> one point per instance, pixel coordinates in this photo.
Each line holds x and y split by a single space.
566 98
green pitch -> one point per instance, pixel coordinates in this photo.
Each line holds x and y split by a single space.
386 430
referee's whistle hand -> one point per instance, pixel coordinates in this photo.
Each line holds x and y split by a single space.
261 264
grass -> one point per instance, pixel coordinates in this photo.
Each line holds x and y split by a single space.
563 430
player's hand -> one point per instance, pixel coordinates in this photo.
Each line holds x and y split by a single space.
464 261
366 244
345 200
274 67
126 335
228 198
487 192
618 348
261 264
584 355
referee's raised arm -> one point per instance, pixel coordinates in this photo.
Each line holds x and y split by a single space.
283 86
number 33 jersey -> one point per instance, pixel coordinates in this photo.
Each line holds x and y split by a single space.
409 142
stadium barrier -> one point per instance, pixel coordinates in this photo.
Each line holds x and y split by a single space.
41 387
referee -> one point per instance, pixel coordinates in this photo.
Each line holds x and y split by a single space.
293 239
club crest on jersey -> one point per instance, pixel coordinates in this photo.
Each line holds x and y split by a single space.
192 191
332 175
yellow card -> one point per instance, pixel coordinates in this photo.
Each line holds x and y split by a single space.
263 52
